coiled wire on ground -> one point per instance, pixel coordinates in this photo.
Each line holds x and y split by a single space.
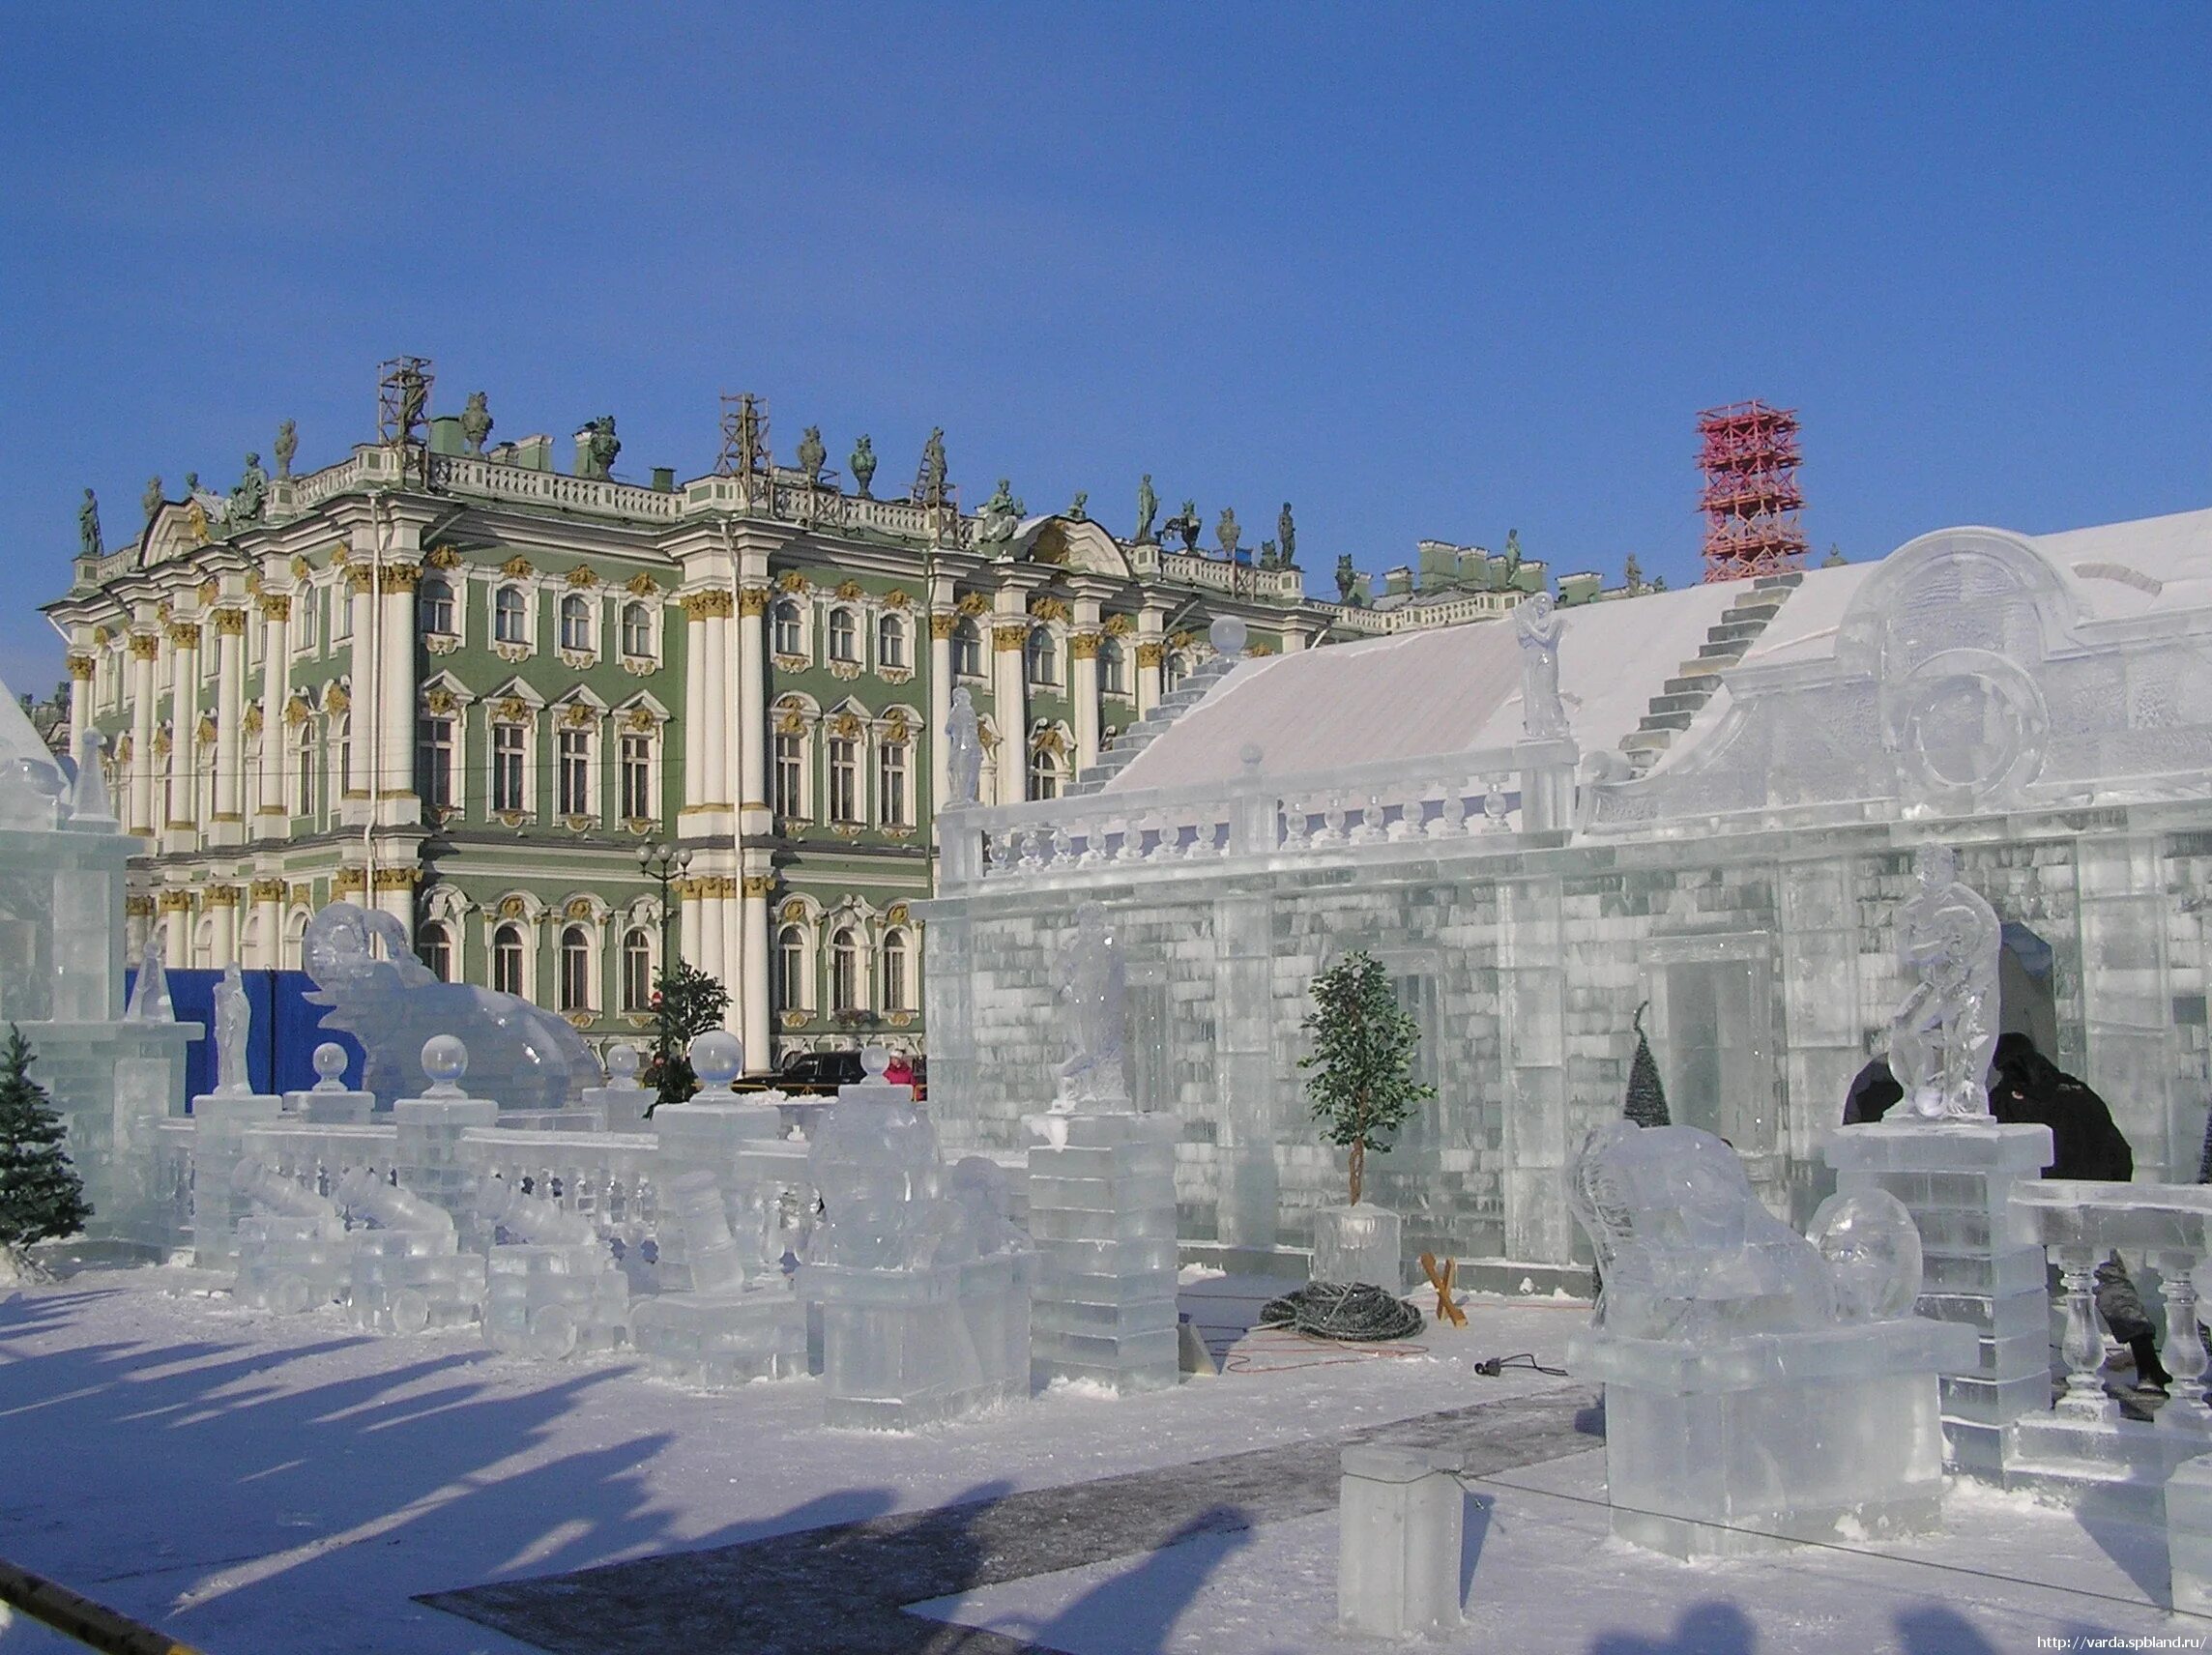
1355 1313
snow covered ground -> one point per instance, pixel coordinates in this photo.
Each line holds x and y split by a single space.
266 1486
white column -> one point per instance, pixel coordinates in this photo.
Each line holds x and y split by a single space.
276 697
686 892
226 918
694 712
755 1031
1083 683
176 914
718 706
81 668
144 649
941 686
735 976
269 906
394 894
751 734
394 756
1151 649
228 825
713 955
1009 699
185 720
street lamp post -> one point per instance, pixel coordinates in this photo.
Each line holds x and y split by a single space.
664 864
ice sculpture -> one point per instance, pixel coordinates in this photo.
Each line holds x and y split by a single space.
329 1099
525 1057
1092 979
1942 1034
964 749
150 1000
923 1284
1759 1389
233 1023
293 1250
720 1334
221 1118
408 1272
552 1285
1539 627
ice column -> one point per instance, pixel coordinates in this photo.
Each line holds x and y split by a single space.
1102 1211
221 1121
2189 1535
329 1099
1955 1178
293 1253
428 1156
1399 1522
551 1286
738 1146
1244 1072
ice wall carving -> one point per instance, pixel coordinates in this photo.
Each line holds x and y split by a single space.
1941 1035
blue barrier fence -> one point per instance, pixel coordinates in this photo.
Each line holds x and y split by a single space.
281 1042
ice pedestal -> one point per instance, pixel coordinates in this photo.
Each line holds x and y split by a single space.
1400 1517
293 1251
1364 1244
720 1335
330 1100
739 1151
1955 1178
620 1104
408 1272
219 1125
1103 1216
2189 1535
1744 1444
427 1152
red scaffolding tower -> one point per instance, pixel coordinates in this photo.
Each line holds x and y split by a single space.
1751 498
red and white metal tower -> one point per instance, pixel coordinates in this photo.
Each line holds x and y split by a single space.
1751 498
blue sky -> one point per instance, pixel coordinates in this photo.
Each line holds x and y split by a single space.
1426 272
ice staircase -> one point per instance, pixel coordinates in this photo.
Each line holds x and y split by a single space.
2115 1468
1121 751
1726 643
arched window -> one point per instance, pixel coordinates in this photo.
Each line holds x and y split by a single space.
1044 773
844 642
890 785
435 595
637 970
575 969
1044 657
894 973
1175 671
891 642
1112 667
636 631
844 971
844 779
434 948
341 754
790 631
295 940
203 943
967 649
791 969
509 617
575 622
506 959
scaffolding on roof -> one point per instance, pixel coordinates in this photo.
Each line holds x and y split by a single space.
1750 499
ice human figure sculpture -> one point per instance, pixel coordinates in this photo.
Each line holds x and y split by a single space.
1092 979
1758 1388
964 749
521 1055
150 1000
233 1023
1539 627
1941 1034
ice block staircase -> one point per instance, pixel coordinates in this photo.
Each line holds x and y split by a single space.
1118 754
1726 643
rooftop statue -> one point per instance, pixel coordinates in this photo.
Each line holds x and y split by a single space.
1346 578
1269 557
1092 979
192 483
964 748
287 444
251 493
233 1023
1079 509
999 517
88 527
812 455
519 1055
1512 554
475 421
1942 1034
414 400
929 487
1229 531
1287 536
151 499
1539 626
862 461
1185 523
604 445
1148 508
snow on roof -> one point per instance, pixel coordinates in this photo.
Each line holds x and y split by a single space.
1415 695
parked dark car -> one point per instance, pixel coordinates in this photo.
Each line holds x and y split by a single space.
810 1074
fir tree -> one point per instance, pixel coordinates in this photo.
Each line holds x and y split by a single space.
41 1196
1646 1103
686 1002
1362 1086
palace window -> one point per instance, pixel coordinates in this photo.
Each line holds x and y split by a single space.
637 970
304 756
636 632
575 622
791 969
509 617
637 779
342 614
890 785
506 744
844 643
844 971
575 969
790 774
434 948
506 960
1044 657
436 597
966 650
1176 669
301 625
572 773
844 780
1112 668
891 642
341 738
1044 773
434 761
790 631
894 977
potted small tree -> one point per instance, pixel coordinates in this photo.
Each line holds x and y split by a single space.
686 1002
1361 1084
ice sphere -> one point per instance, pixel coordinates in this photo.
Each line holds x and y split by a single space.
444 1061
718 1058
622 1066
1872 1249
1228 635
330 1061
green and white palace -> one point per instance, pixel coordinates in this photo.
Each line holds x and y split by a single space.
466 687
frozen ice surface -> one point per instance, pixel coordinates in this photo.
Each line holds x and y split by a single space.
521 1055
1941 1035
1399 1530
1101 1194
1364 1244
